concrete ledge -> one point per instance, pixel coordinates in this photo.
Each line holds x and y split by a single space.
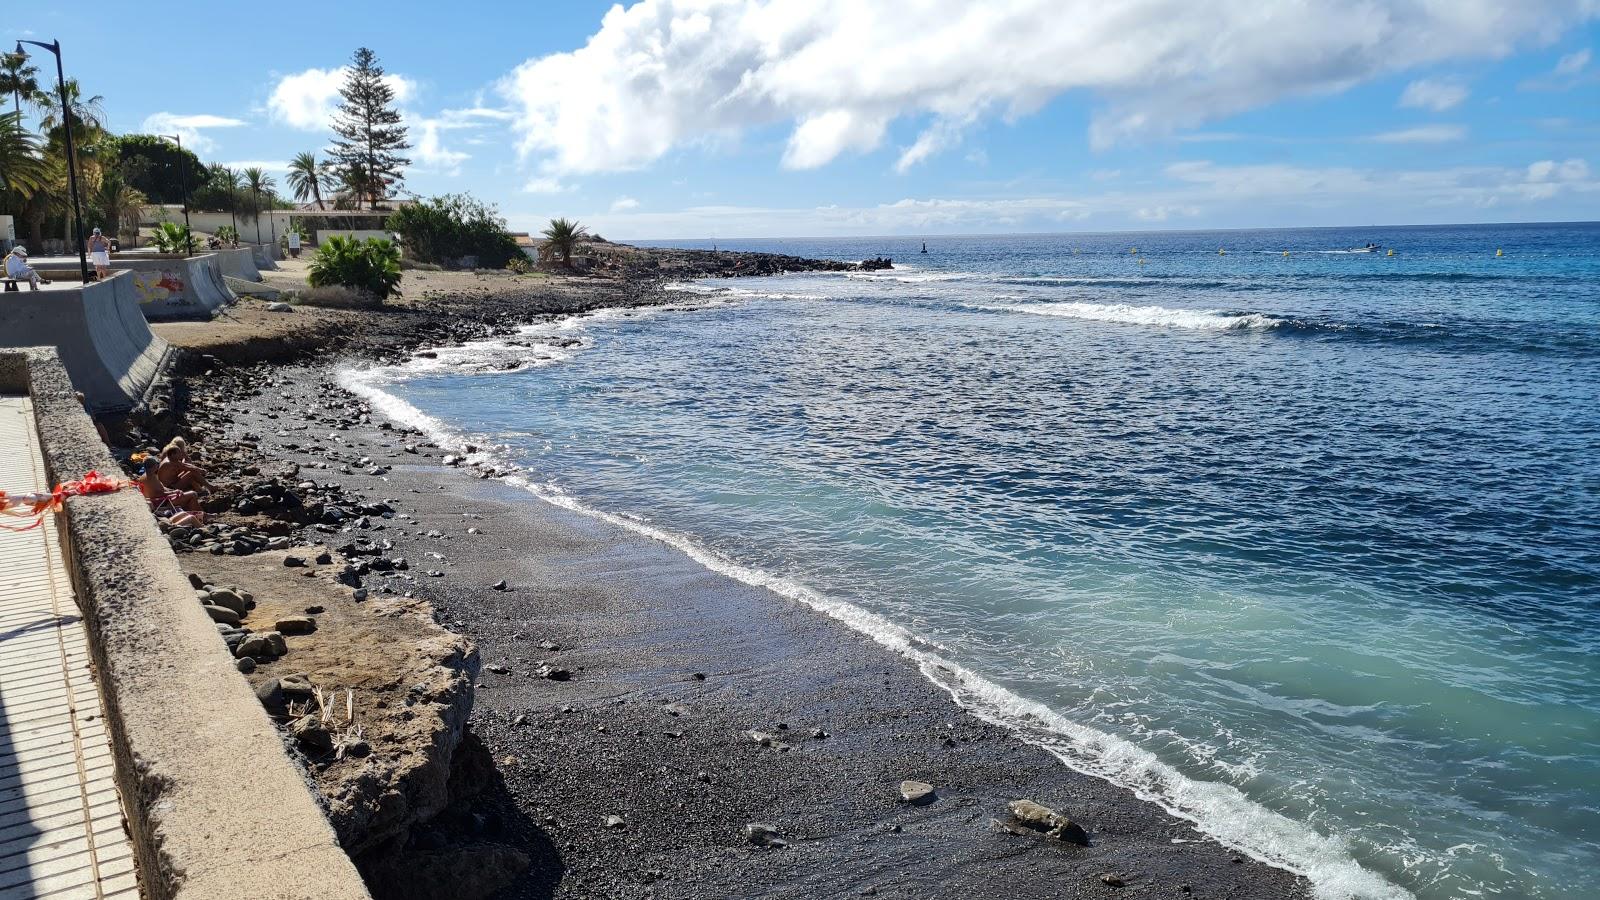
215 806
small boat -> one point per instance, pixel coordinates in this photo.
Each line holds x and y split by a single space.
1369 248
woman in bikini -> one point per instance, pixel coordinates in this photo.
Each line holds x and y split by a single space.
176 470
177 507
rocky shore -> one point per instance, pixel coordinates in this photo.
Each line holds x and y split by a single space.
498 697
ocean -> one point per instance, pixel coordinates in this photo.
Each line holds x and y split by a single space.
1301 543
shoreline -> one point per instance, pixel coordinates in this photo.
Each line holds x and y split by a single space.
636 619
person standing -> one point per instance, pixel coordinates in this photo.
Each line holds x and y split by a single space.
100 255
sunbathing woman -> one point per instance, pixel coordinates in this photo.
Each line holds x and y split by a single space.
176 470
177 507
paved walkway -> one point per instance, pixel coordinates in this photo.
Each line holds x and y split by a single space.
61 834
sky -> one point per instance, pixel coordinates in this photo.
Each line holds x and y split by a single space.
787 118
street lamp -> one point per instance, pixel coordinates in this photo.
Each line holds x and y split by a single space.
183 170
72 158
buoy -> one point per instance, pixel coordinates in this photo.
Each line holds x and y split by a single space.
1133 249
1285 253
1221 252
1391 252
1141 260
1499 252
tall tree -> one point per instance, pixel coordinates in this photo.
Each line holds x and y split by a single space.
88 114
157 167
371 135
23 169
19 79
305 178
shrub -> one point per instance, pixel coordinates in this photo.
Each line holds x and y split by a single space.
170 237
372 265
444 229
519 264
227 234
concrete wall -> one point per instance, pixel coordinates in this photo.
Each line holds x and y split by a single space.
215 807
101 337
240 263
171 287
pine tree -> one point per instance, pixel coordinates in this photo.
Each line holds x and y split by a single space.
371 135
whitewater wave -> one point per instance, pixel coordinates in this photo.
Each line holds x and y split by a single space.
1162 316
1218 809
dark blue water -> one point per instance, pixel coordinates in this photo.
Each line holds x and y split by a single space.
1306 546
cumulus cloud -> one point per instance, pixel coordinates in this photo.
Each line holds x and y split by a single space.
188 127
1428 93
623 204
664 73
307 100
1422 134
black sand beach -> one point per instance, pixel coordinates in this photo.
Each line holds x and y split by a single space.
698 705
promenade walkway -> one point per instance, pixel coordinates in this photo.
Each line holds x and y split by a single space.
61 833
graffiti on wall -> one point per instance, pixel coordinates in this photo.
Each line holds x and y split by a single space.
158 288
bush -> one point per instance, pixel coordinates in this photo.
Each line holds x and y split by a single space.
170 237
372 265
519 264
227 234
444 229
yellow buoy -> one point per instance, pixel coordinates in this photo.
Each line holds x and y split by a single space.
1221 252
1285 253
1391 252
1499 252
1133 249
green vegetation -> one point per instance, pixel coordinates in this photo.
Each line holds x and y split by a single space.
371 134
170 237
444 229
372 265
156 167
305 178
562 236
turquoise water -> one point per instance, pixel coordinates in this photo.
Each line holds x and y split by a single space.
1305 547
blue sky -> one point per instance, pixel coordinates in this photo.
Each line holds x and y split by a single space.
700 118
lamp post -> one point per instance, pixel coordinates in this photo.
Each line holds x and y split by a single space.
257 193
72 157
183 170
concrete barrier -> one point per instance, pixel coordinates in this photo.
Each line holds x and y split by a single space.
214 806
99 333
166 287
267 256
239 263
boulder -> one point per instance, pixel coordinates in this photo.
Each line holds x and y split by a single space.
1037 817
917 793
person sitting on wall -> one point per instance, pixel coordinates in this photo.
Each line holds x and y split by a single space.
17 268
100 255
175 469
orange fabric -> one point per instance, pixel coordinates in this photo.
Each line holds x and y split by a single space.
34 506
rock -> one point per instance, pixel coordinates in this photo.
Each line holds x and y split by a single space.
324 558
359 594
763 835
1037 817
279 306
313 610
358 748
296 689
552 673
818 733
245 665
275 643
227 598
917 793
1113 880
221 614
270 694
297 625
310 734
499 585
196 582
293 562
498 668
253 646
615 823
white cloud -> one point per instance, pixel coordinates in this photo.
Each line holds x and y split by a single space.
1573 63
1422 134
307 100
188 127
544 185
1429 93
665 73
624 204
428 150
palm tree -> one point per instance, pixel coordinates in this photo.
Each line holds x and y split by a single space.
562 236
117 203
258 182
349 185
229 180
88 115
22 164
18 79
305 177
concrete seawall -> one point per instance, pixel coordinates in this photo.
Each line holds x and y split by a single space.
99 333
239 263
164 287
215 807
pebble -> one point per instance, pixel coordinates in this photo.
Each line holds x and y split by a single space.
614 823
245 664
499 585
1113 880
297 625
293 562
917 793
763 835
221 614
